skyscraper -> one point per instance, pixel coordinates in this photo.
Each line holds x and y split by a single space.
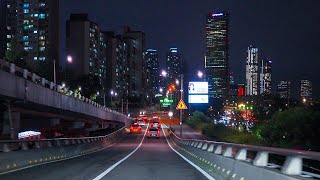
138 82
217 54
265 77
117 79
38 29
8 22
252 71
152 59
284 90
174 65
306 90
86 45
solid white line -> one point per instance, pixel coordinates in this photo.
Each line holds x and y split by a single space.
119 162
191 163
54 161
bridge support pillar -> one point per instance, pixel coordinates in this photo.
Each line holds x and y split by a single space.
218 150
205 146
11 123
292 166
211 147
242 154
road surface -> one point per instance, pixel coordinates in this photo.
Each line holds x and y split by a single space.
152 160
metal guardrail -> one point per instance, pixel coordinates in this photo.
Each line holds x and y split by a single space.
293 164
13 69
14 145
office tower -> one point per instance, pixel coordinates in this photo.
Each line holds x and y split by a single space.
252 71
86 48
117 79
152 59
306 90
173 64
233 88
284 90
217 54
138 82
265 77
8 22
38 30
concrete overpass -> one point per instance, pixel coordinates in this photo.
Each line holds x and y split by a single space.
25 92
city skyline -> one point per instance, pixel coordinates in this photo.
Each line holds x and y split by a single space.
273 36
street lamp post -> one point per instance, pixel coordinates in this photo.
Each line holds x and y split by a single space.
170 115
181 95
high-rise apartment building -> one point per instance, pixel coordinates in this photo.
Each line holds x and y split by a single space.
138 82
265 77
8 22
252 71
86 46
152 59
306 90
38 29
117 66
284 90
217 54
173 64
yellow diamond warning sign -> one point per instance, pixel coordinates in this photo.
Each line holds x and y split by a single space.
181 105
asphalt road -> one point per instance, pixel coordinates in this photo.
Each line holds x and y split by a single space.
153 160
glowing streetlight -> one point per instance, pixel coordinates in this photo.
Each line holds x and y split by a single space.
111 92
69 59
79 88
161 90
98 93
304 100
63 85
170 113
200 74
177 82
164 73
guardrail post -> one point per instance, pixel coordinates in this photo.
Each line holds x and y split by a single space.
66 142
199 145
24 146
12 68
218 150
34 76
58 144
51 85
241 154
228 152
5 148
78 141
37 144
196 144
261 159
70 93
49 144
73 141
59 88
192 143
25 73
43 81
205 146
211 148
292 165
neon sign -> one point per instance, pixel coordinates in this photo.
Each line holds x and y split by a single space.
217 14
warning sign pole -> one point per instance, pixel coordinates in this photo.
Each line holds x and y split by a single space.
181 91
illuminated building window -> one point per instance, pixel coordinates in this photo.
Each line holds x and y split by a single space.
25 38
42 16
42 48
25 11
25 5
35 58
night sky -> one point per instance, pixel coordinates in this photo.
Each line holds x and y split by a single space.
286 30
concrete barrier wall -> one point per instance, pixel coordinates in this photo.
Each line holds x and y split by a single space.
20 88
64 150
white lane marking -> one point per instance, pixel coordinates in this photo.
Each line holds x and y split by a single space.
49 162
191 163
123 159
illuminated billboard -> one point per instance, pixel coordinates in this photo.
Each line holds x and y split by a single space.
197 99
198 88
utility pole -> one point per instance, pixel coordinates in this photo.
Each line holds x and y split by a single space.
122 106
181 94
54 71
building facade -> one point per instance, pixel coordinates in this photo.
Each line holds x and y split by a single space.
217 54
152 59
252 71
284 89
139 80
8 28
86 46
38 29
265 77
173 64
117 77
306 90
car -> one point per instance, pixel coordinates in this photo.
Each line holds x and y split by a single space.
153 132
155 123
141 122
135 128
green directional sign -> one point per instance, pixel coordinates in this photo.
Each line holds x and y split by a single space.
166 101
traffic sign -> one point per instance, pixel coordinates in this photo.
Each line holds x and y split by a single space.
181 105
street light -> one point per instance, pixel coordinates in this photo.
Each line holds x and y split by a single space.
63 85
177 82
161 90
200 74
79 88
69 59
164 73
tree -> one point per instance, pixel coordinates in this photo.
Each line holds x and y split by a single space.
90 85
15 54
